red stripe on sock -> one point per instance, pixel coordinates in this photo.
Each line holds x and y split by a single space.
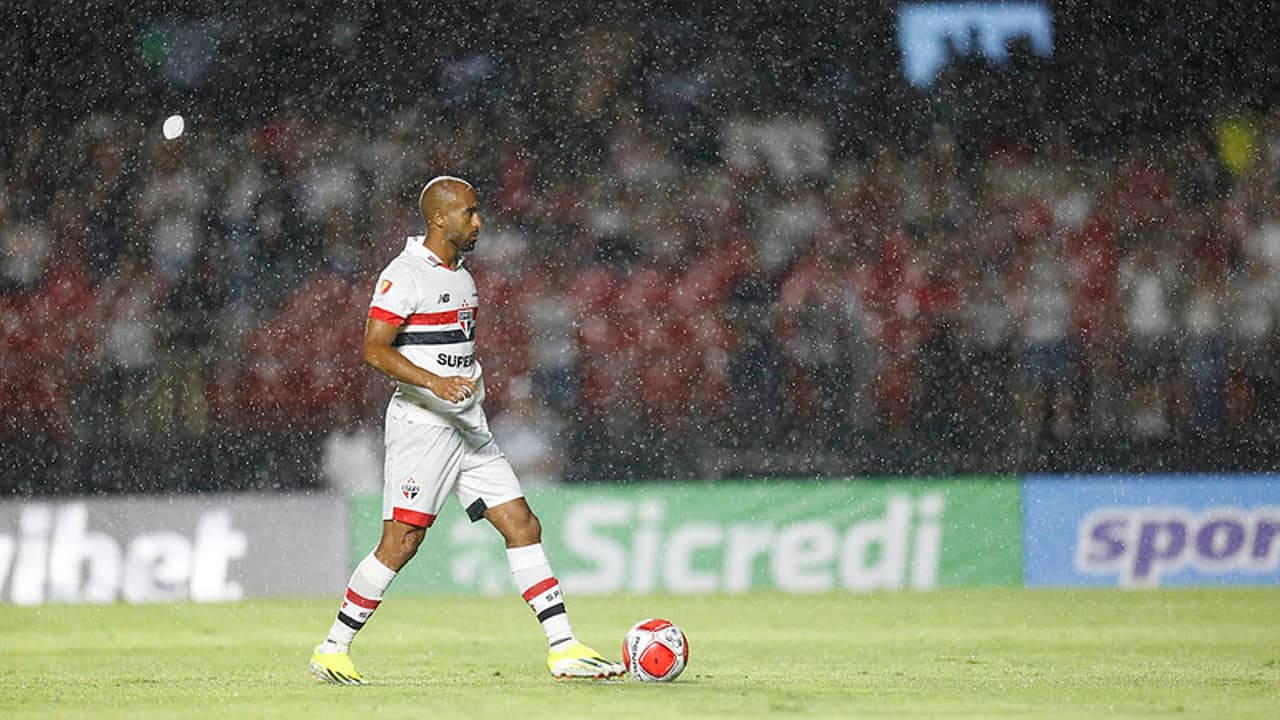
539 588
356 598
412 517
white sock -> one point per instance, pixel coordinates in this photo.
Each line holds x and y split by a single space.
532 573
364 594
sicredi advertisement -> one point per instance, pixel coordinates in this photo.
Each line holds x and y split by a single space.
1151 531
800 536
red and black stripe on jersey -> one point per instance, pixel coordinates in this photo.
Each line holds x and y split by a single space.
438 328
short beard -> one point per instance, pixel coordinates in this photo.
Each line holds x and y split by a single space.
463 242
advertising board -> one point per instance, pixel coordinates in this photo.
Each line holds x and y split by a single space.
1149 531
796 536
204 548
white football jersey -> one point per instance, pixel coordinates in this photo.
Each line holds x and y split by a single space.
436 308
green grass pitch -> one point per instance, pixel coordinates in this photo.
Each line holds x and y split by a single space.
972 653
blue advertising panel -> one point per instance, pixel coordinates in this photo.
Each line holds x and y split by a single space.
1151 531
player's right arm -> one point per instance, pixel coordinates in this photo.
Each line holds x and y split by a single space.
380 355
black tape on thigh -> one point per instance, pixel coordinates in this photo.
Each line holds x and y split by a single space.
476 510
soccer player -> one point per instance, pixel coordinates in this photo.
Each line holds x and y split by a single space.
421 333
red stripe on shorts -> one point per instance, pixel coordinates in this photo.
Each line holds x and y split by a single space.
412 517
539 588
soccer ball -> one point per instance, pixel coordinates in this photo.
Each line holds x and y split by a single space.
655 651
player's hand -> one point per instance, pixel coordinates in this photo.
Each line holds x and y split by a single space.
453 388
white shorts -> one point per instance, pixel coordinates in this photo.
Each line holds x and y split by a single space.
425 462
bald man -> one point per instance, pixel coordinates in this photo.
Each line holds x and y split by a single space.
421 333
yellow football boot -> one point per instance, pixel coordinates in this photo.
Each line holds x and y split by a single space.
334 668
579 661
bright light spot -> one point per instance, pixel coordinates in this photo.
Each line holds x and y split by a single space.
173 126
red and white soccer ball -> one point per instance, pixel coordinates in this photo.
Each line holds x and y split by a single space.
655 651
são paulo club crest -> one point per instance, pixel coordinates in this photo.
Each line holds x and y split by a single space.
409 489
467 319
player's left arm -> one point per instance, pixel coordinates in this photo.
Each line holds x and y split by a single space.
380 355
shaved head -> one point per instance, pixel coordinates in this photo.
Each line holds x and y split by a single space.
452 214
441 195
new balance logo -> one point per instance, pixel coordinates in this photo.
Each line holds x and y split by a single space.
444 297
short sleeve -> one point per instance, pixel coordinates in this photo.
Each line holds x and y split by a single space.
393 297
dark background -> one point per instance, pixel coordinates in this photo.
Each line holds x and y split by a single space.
1132 101
1119 68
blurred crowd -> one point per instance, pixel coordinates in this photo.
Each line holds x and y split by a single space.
668 293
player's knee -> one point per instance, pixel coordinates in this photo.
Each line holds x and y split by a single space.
396 555
523 530
397 548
